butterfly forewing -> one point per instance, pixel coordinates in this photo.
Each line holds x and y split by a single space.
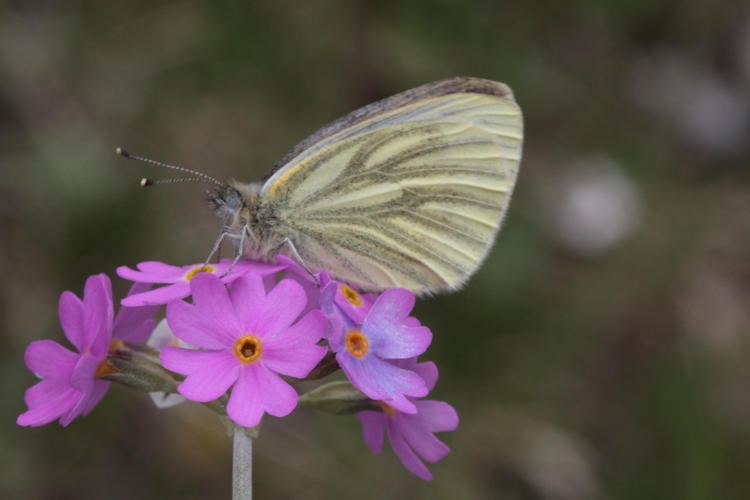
407 192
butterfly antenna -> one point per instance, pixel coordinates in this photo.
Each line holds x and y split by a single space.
148 182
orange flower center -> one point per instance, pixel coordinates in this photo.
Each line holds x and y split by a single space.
104 368
387 409
350 295
199 269
356 343
248 348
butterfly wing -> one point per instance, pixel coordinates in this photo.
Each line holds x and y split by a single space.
407 192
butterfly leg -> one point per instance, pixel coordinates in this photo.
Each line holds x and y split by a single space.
299 259
216 250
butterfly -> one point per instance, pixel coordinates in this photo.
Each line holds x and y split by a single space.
407 192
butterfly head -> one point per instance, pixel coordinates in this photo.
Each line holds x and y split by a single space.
236 205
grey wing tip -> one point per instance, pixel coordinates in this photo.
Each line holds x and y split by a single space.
470 84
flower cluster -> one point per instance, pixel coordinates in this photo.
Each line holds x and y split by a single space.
238 338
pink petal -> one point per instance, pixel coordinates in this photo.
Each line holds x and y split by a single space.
70 311
245 266
189 324
277 310
272 394
246 291
294 351
405 453
158 296
373 429
83 373
209 373
212 301
98 314
245 406
45 391
139 334
132 318
152 272
100 389
47 358
47 401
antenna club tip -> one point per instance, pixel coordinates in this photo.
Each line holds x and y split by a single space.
122 152
145 182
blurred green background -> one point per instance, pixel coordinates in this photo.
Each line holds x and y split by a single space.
599 353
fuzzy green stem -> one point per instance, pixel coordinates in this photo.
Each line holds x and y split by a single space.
242 465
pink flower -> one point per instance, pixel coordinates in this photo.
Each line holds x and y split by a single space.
365 338
248 339
177 278
71 385
412 435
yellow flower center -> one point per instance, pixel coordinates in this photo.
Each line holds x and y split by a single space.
104 368
248 348
356 343
199 269
387 409
350 295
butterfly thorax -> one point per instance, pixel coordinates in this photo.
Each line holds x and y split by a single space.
240 207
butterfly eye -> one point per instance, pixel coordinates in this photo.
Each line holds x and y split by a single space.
226 202
232 199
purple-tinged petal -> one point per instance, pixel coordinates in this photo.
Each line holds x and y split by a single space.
47 358
335 333
70 311
190 325
382 381
129 319
212 301
429 373
277 310
437 416
422 441
246 291
47 401
373 429
98 314
152 272
209 373
401 342
158 296
357 313
139 334
392 307
406 454
427 370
